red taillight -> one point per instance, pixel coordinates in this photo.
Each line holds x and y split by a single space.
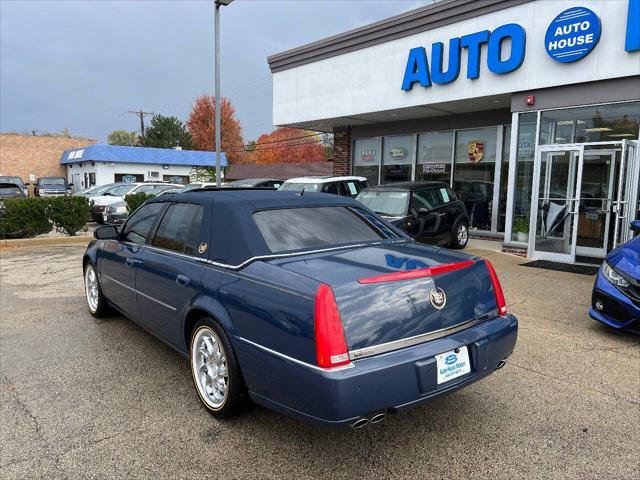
331 346
417 273
502 304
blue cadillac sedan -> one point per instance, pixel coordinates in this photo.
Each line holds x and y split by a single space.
306 303
615 300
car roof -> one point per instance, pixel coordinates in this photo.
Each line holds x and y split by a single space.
409 186
236 237
324 179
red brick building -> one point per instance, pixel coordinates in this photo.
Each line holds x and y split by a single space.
32 156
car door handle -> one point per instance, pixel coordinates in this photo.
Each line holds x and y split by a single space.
130 262
183 280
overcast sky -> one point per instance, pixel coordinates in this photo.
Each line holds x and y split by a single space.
83 64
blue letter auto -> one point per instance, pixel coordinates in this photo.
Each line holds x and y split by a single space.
417 69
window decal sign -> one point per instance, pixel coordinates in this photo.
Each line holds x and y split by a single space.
572 35
398 153
368 154
128 179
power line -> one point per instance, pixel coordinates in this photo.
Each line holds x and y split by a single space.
141 114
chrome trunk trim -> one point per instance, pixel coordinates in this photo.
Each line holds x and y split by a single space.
408 342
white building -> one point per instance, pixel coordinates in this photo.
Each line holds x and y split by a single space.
102 164
530 109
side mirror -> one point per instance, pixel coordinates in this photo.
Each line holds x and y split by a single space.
106 232
635 226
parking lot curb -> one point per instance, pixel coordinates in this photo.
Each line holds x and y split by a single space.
41 242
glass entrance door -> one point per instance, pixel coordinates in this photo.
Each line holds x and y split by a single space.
597 197
627 203
554 214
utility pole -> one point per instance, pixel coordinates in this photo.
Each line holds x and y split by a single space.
218 4
141 114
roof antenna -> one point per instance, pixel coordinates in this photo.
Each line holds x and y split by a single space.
302 192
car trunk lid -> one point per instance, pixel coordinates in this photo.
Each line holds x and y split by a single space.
389 293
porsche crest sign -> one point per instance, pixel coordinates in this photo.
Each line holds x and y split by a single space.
476 150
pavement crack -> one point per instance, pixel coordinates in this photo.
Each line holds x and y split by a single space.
24 407
587 387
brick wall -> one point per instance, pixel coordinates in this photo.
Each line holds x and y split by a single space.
25 155
342 152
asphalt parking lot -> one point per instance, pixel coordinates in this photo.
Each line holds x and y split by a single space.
83 398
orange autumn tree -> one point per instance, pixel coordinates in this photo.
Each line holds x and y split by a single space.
284 145
202 127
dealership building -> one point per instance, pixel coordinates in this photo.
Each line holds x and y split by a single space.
530 109
95 165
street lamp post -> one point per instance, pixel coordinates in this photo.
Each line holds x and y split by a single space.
219 3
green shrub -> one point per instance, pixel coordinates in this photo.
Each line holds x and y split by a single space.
135 200
69 214
521 224
25 217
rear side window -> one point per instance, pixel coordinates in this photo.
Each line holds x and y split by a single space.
313 227
352 188
195 233
175 227
139 224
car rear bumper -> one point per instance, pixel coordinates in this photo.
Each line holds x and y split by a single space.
616 309
388 382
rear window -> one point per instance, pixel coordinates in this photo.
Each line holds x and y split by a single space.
313 227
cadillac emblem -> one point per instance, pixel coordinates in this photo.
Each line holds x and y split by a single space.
476 150
202 248
438 298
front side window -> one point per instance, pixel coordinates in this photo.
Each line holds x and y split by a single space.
313 227
139 224
385 202
174 229
423 199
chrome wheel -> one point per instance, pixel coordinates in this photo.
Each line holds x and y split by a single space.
463 235
209 367
91 288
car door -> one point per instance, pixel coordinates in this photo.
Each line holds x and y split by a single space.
450 210
169 274
426 223
119 259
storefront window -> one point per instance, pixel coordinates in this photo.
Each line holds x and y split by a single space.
474 173
366 158
434 156
602 123
397 160
525 155
504 177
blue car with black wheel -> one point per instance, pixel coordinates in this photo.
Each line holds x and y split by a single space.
615 300
307 303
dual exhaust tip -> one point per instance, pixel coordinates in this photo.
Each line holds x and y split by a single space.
380 416
364 421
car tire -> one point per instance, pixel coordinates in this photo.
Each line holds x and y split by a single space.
215 370
459 235
96 302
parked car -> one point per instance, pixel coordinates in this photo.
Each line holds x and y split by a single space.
615 300
115 213
344 186
52 187
194 185
116 195
309 305
17 181
95 191
428 211
255 183
9 190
